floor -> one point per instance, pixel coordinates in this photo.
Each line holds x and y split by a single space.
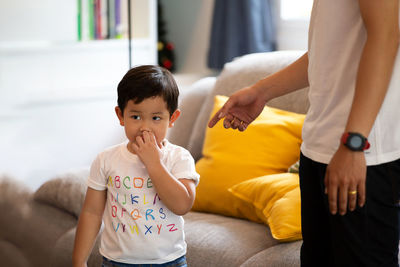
43 138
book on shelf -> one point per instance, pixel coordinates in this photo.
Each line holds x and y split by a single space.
102 19
111 19
79 19
122 30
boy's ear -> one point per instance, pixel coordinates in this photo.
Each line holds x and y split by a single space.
174 117
120 115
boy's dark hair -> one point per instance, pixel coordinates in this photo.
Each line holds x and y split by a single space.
148 81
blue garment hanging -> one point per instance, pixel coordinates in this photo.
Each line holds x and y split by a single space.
240 27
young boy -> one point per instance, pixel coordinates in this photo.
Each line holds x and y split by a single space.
142 186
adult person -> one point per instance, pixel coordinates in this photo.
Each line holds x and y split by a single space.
350 155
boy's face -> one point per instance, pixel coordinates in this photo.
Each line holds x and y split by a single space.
149 115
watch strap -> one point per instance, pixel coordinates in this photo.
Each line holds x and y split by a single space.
346 136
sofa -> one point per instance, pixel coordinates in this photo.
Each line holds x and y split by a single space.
37 227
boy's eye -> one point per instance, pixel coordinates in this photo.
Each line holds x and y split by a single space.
136 117
156 118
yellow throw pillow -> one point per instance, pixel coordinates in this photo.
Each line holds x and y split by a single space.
269 145
275 200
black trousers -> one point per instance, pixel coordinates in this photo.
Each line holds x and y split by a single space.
368 236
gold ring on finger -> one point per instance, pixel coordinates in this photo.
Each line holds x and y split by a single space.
353 192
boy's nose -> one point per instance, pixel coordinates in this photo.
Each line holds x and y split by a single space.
144 127
145 130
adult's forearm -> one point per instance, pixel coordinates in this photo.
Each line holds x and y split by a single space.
287 80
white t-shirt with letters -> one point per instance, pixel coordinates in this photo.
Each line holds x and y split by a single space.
138 227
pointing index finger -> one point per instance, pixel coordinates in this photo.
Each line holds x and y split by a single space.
217 116
222 112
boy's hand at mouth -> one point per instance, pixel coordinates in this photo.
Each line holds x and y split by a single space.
147 148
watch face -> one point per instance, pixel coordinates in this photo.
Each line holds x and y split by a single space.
355 141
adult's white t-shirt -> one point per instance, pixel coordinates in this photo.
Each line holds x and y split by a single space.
138 227
336 39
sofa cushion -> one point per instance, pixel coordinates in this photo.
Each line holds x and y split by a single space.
66 192
275 200
63 249
269 145
33 227
215 240
284 255
12 255
245 71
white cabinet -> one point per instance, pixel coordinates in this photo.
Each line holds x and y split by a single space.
40 58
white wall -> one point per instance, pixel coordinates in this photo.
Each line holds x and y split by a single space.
291 34
38 20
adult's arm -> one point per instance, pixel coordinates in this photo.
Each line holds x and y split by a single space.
245 105
347 169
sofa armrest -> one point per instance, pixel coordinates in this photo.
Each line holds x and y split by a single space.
191 101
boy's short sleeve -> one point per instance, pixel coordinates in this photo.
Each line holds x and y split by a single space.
184 166
97 179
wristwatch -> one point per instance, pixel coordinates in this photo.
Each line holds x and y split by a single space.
355 141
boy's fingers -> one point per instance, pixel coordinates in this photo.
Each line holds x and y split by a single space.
154 140
150 138
139 140
145 137
135 147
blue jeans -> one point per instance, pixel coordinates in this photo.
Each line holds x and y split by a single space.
179 262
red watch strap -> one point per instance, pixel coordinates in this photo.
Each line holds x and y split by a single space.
367 144
346 135
344 138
